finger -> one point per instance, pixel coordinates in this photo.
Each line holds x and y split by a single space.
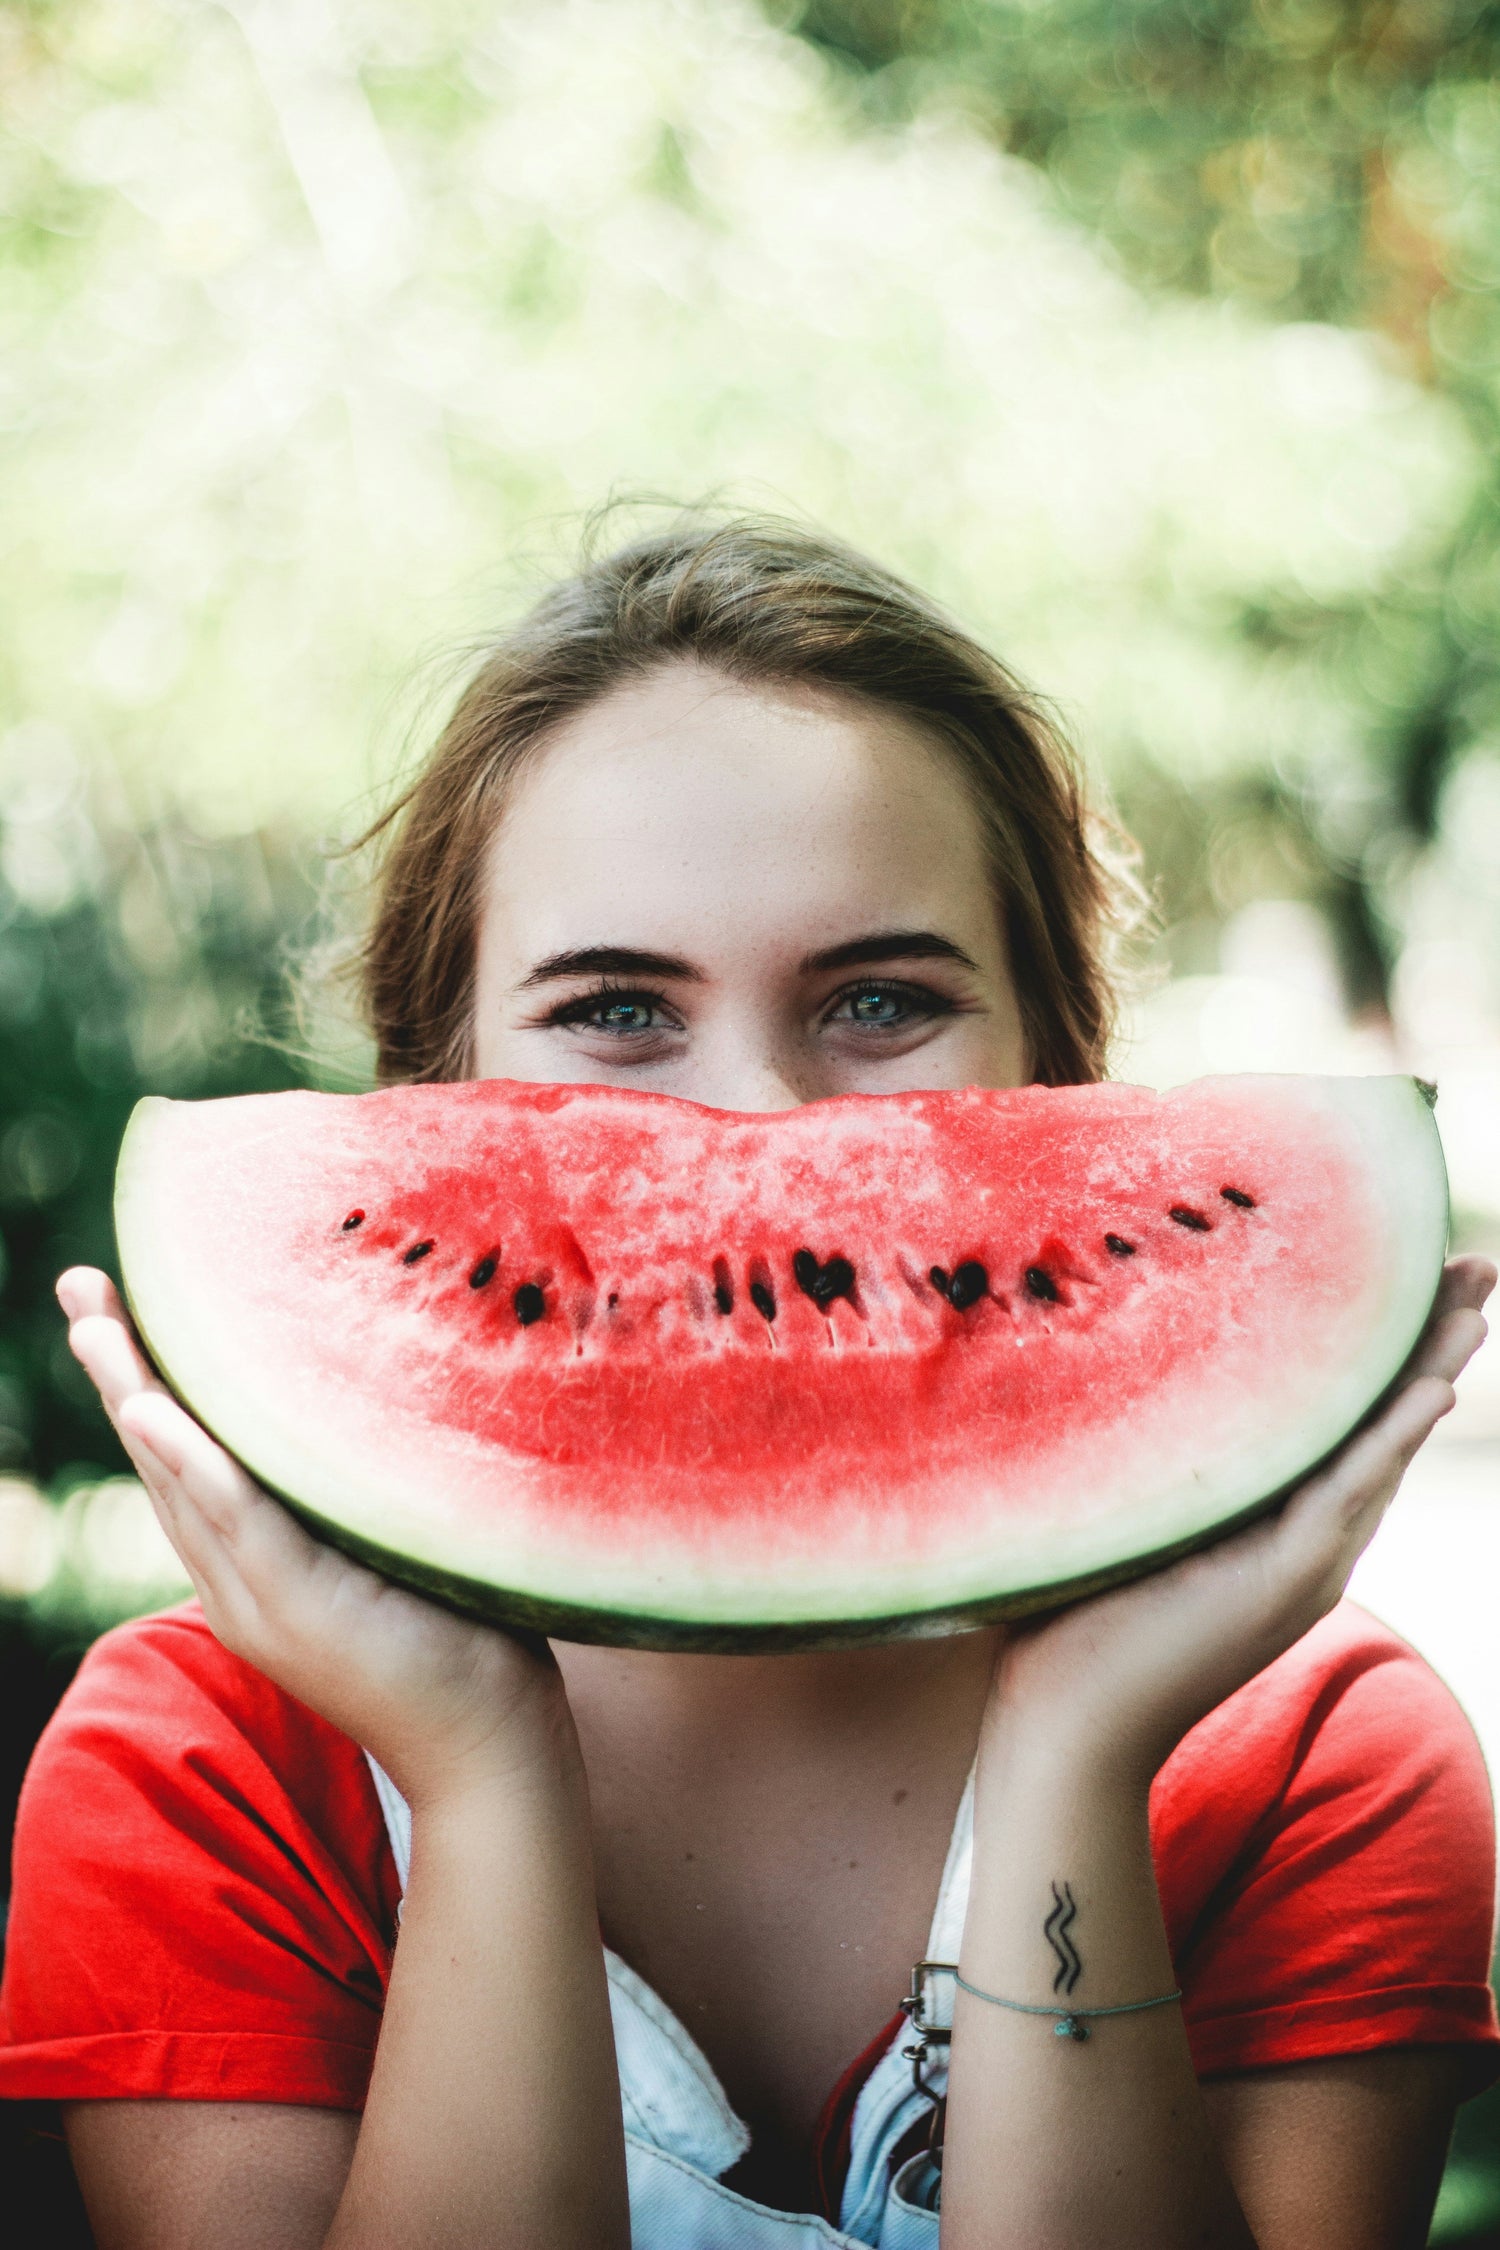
202 1498
1393 1437
107 1352
1467 1280
274 1559
214 1481
198 1547
159 1432
168 1444
1449 1344
1336 1513
86 1294
195 1548
204 1495
84 1289
1464 1284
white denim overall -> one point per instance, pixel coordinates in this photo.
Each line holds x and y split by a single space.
681 2134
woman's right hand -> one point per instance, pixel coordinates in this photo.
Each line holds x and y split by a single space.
435 1698
493 2110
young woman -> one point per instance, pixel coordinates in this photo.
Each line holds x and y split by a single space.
311 1879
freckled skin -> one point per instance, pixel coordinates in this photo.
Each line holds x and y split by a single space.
740 830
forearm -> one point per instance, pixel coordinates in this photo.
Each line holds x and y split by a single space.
493 2114
1058 2143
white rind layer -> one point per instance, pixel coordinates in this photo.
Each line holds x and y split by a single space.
297 1439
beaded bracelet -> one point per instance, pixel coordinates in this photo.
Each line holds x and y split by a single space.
1070 2022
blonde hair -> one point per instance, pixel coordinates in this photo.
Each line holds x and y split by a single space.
759 600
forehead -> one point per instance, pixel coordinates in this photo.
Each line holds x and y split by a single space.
688 799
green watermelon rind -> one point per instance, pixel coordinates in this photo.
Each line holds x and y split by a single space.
631 1629
662 1628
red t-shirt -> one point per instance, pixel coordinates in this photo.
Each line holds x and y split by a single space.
205 1900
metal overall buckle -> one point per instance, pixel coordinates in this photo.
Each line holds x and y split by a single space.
928 2035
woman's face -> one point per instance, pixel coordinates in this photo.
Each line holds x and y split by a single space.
747 896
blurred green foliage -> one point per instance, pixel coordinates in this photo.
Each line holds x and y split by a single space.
1331 161
162 971
1324 159
311 321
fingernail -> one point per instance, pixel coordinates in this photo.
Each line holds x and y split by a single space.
67 1297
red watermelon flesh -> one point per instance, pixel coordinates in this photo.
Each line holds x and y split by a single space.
636 1370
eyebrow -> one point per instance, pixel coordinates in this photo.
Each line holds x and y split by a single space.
854 953
889 945
610 961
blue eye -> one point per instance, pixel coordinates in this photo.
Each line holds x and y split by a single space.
624 1015
875 1007
883 1006
617 1013
887 1007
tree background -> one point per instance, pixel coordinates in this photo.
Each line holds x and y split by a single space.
1161 338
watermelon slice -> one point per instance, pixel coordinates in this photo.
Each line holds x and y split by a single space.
631 1370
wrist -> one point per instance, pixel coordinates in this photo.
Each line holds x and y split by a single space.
529 1751
1071 1721
1058 1755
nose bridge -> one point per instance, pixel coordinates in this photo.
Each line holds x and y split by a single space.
763 1086
755 1066
772 1093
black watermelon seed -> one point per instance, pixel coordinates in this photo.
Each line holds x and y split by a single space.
1041 1284
612 1300
970 1282
417 1250
1187 1218
1118 1247
763 1300
355 1219
834 1277
483 1272
723 1286
529 1302
941 1279
1238 1198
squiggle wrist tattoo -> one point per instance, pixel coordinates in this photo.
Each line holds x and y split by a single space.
1056 1927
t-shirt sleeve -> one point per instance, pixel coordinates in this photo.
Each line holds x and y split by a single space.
203 1898
1325 1844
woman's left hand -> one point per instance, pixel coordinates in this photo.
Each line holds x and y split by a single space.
1122 1676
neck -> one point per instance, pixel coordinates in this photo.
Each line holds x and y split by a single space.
700 1713
767 1794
